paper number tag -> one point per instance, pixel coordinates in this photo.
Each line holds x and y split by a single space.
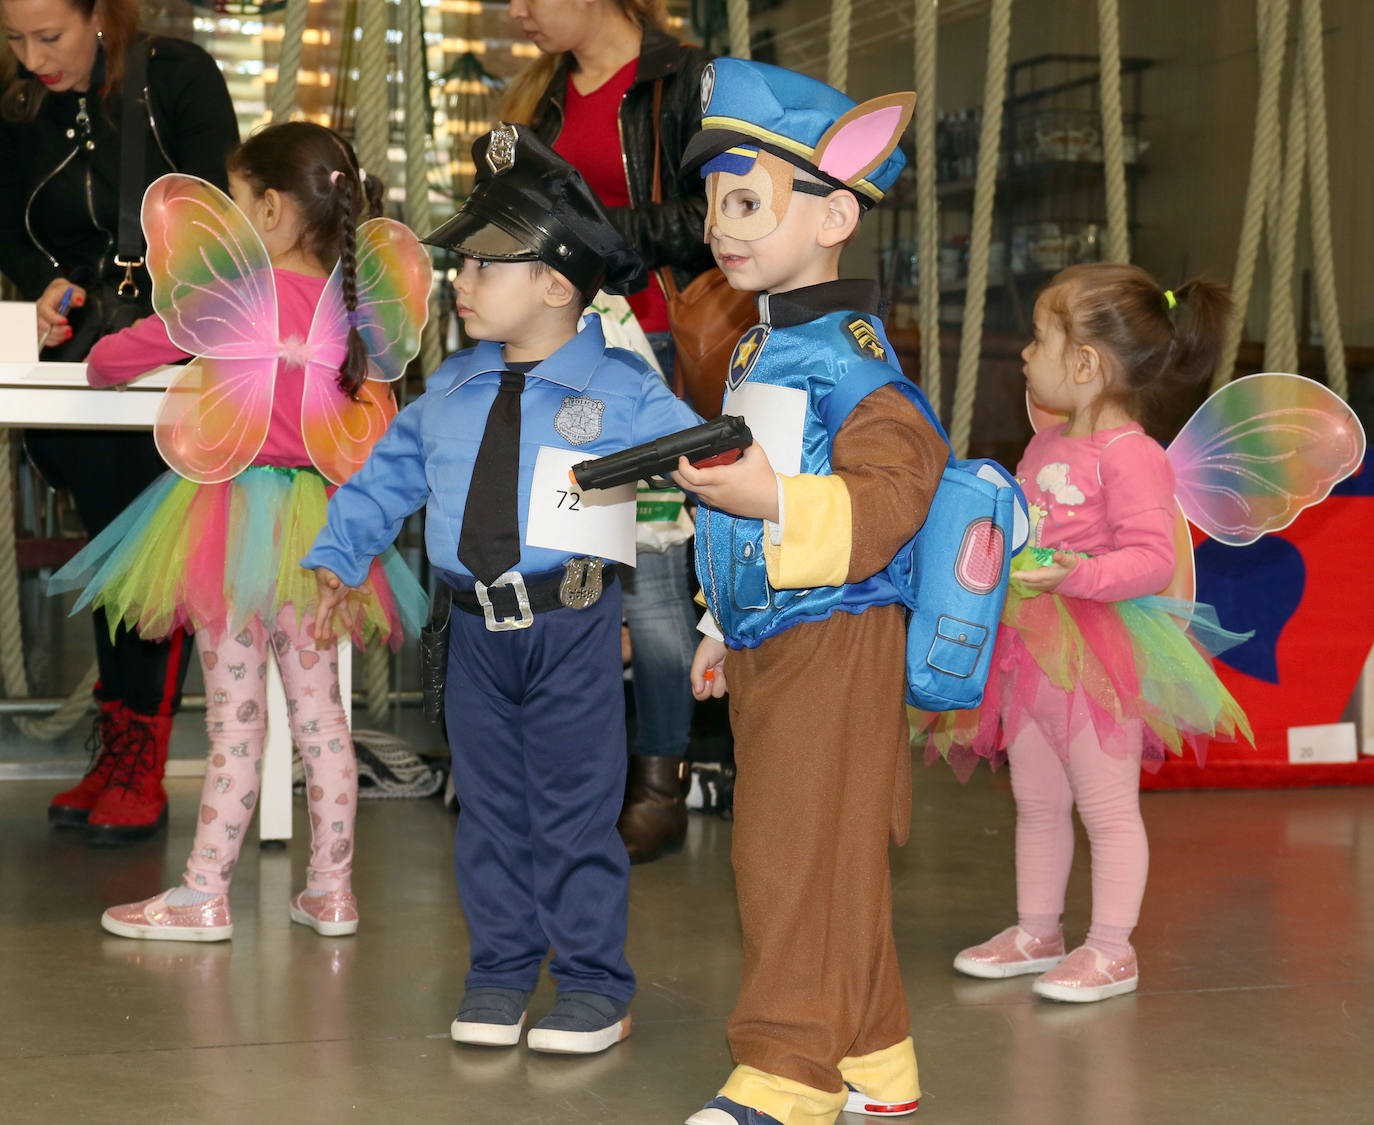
563 517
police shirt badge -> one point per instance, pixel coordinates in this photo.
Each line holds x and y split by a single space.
501 149
864 338
746 355
578 420
708 85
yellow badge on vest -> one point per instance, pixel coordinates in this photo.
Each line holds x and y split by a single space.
865 339
746 354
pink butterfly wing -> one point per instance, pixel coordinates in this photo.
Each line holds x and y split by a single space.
213 288
394 275
213 418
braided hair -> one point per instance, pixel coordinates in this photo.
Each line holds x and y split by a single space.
1166 343
320 171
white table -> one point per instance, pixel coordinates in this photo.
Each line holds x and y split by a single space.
55 395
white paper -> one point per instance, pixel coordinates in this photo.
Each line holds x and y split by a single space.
1328 742
563 517
18 332
777 419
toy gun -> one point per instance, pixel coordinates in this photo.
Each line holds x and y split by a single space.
717 442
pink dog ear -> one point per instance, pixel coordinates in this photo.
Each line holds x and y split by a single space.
864 137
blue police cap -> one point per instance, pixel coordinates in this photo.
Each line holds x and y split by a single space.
805 122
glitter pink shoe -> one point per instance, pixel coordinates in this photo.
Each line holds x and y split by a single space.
152 919
1087 974
1012 953
332 914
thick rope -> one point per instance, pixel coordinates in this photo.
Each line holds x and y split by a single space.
1318 178
927 203
1271 24
289 60
1118 241
1281 338
11 627
989 145
376 680
838 73
371 115
738 11
417 164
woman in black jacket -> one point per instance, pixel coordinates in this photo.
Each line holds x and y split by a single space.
591 96
63 91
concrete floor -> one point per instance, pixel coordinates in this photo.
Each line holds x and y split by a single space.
1255 1004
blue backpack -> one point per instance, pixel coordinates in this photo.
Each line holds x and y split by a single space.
952 574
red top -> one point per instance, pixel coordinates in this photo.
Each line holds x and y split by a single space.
125 355
590 142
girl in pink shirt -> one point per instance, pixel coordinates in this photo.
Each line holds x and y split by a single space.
221 556
1092 673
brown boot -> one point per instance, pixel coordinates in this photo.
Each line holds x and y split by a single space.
653 821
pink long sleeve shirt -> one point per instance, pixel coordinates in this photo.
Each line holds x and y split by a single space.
125 355
1110 496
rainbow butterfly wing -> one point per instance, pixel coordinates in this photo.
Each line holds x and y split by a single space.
393 279
213 288
1259 451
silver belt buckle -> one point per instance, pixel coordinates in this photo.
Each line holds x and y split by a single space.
524 617
581 585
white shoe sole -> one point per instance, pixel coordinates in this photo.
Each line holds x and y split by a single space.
1069 995
167 933
992 971
486 1034
710 1117
865 1106
324 929
577 1042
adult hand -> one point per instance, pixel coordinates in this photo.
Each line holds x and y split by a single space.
1045 579
332 600
52 321
747 488
708 669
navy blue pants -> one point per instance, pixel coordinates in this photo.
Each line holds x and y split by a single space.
536 725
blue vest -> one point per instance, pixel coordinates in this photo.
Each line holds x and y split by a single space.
805 362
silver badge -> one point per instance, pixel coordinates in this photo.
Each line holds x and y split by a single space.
501 149
578 420
581 585
708 85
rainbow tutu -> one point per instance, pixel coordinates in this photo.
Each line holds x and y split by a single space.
1120 667
211 557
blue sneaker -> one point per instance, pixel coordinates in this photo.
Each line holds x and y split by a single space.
490 1017
865 1106
723 1111
580 1023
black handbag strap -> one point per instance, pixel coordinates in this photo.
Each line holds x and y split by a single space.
133 147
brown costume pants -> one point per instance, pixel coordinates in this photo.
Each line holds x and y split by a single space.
824 781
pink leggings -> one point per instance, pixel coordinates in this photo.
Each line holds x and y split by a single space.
1107 792
236 720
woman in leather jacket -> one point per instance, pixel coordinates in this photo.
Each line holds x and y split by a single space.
591 97
62 98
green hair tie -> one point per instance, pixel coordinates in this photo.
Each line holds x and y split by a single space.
1170 301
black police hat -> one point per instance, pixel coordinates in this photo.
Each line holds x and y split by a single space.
529 204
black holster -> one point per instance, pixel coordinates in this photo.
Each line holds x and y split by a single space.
434 654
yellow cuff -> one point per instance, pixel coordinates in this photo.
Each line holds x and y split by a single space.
790 1102
817 534
888 1075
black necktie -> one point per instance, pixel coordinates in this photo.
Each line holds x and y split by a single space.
489 544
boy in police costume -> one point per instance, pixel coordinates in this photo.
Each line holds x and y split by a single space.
534 694
792 544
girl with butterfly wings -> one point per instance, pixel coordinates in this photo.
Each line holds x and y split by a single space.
296 321
1092 672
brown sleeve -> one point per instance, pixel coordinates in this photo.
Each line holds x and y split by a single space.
891 459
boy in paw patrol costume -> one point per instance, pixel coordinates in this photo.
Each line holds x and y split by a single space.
534 693
793 541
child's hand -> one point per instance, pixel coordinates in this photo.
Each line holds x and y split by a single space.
1045 579
708 669
746 488
332 595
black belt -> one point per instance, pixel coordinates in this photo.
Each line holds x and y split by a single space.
513 599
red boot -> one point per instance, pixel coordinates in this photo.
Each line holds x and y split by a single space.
134 804
72 806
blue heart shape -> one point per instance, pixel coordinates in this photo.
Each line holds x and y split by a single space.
1254 589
